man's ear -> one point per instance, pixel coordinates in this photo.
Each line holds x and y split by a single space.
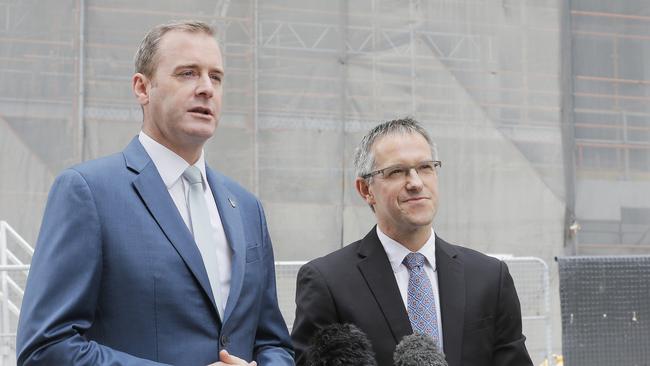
364 190
140 85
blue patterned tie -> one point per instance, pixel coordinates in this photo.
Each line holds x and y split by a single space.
421 303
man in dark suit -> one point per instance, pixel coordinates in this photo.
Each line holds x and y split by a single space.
148 256
402 278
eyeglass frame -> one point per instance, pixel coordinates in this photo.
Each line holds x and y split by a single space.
436 164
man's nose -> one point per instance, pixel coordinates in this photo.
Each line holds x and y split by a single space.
413 180
205 87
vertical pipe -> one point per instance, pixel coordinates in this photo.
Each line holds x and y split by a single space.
567 127
375 36
626 151
256 152
80 82
4 346
547 310
343 67
412 57
622 153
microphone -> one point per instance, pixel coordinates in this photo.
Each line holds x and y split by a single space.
418 350
340 345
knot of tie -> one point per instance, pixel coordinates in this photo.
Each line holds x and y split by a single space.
193 175
414 261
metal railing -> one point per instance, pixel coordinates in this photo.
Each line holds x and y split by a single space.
531 277
15 255
530 274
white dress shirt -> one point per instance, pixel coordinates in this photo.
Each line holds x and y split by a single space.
397 252
171 167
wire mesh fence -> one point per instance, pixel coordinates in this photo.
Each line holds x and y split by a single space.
605 310
530 275
531 279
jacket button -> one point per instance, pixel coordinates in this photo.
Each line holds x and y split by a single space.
224 340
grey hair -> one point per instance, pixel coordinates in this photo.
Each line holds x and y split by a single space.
364 159
146 57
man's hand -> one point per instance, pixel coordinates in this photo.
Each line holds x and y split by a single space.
226 358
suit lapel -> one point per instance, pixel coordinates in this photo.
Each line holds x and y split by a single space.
451 288
231 219
156 198
378 273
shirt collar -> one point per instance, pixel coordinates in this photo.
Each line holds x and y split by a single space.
396 252
170 166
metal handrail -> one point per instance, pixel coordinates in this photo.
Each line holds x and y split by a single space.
11 306
14 267
13 258
15 287
547 300
7 284
5 227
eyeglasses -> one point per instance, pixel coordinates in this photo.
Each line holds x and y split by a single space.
399 172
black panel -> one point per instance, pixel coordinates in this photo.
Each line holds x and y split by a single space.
605 310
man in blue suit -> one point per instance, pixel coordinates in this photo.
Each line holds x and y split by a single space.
149 257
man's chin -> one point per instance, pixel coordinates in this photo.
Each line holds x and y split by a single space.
421 220
200 134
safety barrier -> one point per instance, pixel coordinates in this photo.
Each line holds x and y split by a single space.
15 256
531 276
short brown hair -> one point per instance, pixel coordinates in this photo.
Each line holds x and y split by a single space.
145 58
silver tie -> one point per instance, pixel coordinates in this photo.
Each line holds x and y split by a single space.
201 228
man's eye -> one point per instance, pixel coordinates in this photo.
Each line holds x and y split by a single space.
396 172
426 168
186 73
216 77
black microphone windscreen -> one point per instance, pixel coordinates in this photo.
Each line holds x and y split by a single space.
418 350
340 345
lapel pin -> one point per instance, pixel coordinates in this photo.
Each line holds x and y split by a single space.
232 203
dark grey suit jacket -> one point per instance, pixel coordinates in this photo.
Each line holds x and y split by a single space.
481 315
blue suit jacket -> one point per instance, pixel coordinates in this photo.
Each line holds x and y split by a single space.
117 279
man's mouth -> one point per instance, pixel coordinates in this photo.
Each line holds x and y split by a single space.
415 199
201 110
